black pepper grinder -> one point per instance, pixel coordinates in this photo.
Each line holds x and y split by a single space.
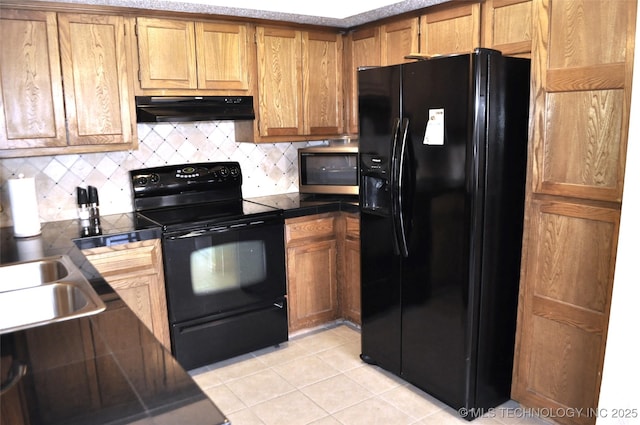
94 211
83 211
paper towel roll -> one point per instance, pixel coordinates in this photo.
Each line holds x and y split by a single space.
24 207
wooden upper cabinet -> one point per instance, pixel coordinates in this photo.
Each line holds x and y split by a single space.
167 54
222 51
96 99
363 49
280 81
397 40
447 29
322 70
30 84
192 56
299 86
97 90
582 98
506 26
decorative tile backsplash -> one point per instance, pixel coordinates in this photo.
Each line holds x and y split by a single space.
267 168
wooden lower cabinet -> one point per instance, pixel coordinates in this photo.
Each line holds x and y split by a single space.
135 272
349 266
323 269
312 270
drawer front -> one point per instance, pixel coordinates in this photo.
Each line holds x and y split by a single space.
122 260
315 226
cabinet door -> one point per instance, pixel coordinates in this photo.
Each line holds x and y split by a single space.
322 83
30 83
223 56
506 26
280 81
135 272
98 92
167 54
581 91
312 284
398 40
312 275
450 29
350 306
364 50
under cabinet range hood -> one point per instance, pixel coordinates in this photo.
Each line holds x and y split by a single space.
193 108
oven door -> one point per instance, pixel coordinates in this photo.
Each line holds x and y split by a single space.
224 268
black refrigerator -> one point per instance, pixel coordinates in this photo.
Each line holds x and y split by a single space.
443 146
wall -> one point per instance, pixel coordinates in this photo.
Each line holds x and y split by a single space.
267 168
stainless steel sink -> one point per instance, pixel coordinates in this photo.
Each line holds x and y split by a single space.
44 291
33 273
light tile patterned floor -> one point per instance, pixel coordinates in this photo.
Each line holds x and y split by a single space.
318 378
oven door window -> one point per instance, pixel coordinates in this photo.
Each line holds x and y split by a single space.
229 266
218 272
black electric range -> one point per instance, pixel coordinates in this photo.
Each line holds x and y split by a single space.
223 258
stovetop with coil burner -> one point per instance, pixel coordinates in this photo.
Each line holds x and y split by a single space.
178 197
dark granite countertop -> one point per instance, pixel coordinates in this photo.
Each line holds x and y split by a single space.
108 368
102 369
297 204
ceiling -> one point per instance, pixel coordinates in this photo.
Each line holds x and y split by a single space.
335 13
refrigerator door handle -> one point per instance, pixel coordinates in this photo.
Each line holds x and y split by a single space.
395 166
402 236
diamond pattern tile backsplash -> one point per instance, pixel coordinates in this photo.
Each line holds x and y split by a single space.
267 168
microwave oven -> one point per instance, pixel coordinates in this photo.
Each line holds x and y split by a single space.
329 169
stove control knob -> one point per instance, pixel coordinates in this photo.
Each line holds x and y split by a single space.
155 178
235 171
142 180
224 172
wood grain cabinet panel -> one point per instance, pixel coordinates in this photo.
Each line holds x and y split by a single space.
565 305
397 40
349 266
97 92
581 55
362 49
93 111
280 81
167 54
299 86
135 272
312 270
31 81
583 93
506 26
222 51
322 70
185 57
450 29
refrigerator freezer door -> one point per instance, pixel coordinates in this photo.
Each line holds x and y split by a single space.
379 116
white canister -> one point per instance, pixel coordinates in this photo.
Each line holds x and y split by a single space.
24 206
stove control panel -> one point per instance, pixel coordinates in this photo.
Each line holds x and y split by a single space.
176 179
